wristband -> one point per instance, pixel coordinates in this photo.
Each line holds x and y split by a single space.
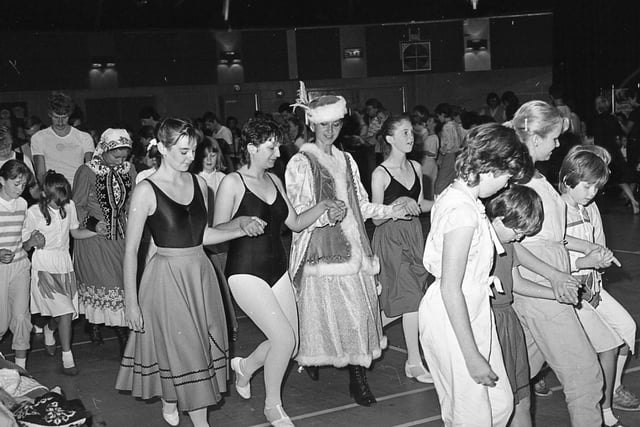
91 223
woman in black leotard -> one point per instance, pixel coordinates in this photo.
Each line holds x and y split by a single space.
400 244
179 350
257 266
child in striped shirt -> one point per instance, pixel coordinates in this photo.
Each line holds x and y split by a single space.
14 264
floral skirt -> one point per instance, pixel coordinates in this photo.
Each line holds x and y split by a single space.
98 266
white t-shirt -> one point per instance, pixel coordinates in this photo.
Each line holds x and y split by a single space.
56 234
63 154
225 133
213 179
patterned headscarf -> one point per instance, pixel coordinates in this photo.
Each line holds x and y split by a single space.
113 182
112 139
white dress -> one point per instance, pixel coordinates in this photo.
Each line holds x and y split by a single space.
609 325
462 400
54 290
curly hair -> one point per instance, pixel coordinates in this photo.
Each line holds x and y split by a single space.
493 148
255 132
61 103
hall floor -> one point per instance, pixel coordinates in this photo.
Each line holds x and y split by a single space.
401 402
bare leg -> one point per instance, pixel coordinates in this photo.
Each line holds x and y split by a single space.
608 363
628 194
522 414
410 329
273 310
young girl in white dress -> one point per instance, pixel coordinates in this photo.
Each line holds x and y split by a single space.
609 326
54 290
457 328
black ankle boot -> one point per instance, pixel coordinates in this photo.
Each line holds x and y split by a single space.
358 386
95 334
313 372
122 333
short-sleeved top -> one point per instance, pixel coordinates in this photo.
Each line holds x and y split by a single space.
548 243
431 144
56 234
503 270
213 179
63 154
454 209
13 214
584 222
225 133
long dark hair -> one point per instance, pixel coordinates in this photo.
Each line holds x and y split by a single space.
55 189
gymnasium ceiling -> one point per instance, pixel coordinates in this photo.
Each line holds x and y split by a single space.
107 15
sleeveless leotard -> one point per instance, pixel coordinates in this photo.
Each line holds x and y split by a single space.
174 225
395 189
262 256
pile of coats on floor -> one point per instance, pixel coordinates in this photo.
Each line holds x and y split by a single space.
24 402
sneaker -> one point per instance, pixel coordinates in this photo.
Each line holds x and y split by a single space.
541 388
625 400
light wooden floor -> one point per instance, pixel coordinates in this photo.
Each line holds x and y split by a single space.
401 402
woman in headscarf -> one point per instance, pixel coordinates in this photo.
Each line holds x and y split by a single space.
101 193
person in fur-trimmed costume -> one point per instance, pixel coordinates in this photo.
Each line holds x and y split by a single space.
332 266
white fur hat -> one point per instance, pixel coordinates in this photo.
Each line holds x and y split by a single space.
326 108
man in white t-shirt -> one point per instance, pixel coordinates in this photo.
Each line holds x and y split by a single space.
60 146
213 127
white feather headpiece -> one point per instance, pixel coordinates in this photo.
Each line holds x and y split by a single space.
334 107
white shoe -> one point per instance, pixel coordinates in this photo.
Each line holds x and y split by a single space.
418 372
173 418
244 392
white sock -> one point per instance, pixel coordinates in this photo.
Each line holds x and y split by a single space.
49 339
22 362
169 407
622 359
67 359
608 417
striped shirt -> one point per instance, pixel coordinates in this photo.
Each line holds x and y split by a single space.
13 214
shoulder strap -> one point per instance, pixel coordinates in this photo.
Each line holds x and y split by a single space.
387 171
242 179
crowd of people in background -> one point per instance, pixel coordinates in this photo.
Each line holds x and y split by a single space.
173 221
